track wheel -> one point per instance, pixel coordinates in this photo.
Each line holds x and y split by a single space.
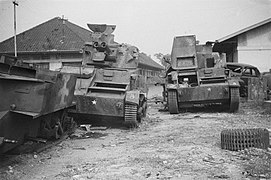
234 100
130 115
239 139
173 102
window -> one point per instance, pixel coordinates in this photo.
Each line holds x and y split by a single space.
42 66
247 72
253 73
236 69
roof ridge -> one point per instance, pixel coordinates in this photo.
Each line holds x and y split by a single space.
31 28
248 28
73 30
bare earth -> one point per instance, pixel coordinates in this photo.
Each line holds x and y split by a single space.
183 146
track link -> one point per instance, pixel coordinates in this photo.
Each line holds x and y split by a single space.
239 139
173 102
234 100
130 116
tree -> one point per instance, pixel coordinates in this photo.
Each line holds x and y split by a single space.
164 59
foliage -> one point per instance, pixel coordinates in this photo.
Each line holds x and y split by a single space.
162 58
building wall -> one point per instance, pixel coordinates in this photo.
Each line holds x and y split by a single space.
51 61
232 56
254 47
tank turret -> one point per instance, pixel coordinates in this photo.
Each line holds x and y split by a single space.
103 51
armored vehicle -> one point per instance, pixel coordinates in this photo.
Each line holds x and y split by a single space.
192 78
111 85
33 103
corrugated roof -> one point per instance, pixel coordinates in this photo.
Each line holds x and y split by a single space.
244 30
54 35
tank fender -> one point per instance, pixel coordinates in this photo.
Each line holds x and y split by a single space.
233 83
132 97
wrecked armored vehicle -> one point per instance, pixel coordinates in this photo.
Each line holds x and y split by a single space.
245 73
33 103
192 78
111 85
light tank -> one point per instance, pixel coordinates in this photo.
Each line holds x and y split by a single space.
108 82
193 78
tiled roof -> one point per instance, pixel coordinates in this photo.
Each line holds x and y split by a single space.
147 61
56 34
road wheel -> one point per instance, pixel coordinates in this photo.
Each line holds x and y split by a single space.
173 102
130 115
234 100
239 139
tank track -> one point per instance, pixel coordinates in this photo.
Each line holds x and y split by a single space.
173 102
130 115
52 129
234 100
55 125
239 139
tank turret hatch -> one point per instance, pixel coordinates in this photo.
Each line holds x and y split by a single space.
102 28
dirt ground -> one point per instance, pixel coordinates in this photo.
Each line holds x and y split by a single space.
182 146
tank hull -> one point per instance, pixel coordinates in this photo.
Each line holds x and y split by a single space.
217 93
33 104
101 104
108 94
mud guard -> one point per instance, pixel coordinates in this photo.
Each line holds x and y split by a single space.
131 104
132 97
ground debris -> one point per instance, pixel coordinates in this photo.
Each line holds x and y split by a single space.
148 174
78 171
79 148
257 162
183 146
85 127
222 176
211 159
83 134
101 128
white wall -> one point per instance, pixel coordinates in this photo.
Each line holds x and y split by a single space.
54 66
254 47
260 59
